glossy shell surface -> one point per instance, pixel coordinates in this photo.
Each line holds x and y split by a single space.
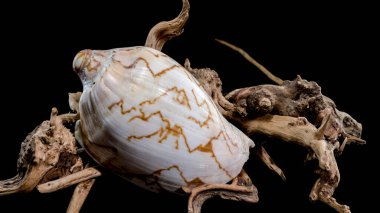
145 117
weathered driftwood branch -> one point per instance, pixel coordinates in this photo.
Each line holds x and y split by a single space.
303 133
166 30
290 112
49 161
47 153
241 189
79 196
69 180
300 98
272 77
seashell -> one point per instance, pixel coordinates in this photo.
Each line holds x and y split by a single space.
147 119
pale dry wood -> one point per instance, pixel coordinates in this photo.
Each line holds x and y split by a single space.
241 189
350 132
69 180
268 161
277 112
166 30
212 84
300 131
274 78
47 152
79 196
289 129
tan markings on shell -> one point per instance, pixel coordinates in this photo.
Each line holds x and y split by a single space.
121 105
208 148
180 97
177 131
190 183
158 74
152 180
157 55
209 116
230 141
90 66
168 130
94 64
163 133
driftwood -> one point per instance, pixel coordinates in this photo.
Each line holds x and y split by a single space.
166 30
48 152
291 111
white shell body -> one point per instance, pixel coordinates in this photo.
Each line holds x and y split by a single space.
144 117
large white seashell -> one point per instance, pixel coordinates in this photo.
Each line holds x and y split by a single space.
144 117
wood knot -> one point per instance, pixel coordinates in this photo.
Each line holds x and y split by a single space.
300 121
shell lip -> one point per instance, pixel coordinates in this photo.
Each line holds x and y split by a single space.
81 59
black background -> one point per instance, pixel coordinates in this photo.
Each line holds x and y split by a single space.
333 45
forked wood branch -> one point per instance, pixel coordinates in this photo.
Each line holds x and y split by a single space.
69 180
241 189
290 112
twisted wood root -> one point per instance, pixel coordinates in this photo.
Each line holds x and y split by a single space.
241 189
290 112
